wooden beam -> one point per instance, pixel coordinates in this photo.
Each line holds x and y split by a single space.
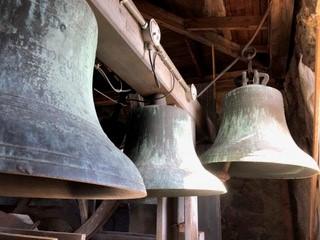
121 47
193 58
314 231
176 24
123 236
98 219
191 218
216 8
280 35
12 236
210 217
162 219
222 23
58 235
83 209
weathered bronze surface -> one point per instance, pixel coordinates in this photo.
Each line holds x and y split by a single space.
51 143
255 140
160 142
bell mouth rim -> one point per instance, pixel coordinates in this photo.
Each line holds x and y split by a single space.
236 169
20 185
179 192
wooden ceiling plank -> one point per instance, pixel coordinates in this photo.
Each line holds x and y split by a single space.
280 35
217 8
220 23
176 24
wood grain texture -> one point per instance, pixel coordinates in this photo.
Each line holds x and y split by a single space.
280 35
191 218
121 47
98 219
162 219
221 23
176 24
216 8
12 236
57 235
314 233
123 236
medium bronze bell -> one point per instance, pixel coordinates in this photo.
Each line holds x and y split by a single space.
254 138
51 143
160 142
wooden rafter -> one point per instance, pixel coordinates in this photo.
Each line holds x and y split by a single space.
280 35
314 231
217 8
176 24
194 58
222 23
98 219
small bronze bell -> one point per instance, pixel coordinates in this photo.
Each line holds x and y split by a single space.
254 138
160 142
51 143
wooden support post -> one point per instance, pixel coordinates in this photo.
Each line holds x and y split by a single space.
201 236
314 193
280 34
210 217
84 210
191 218
100 217
162 226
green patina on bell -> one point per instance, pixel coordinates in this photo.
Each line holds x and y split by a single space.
255 140
160 142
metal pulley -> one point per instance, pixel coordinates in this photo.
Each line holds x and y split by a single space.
160 142
51 143
253 139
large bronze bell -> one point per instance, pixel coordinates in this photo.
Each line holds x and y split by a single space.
254 138
160 142
51 143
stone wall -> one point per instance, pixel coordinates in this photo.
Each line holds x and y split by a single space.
298 92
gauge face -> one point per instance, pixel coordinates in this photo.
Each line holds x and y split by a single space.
155 32
193 92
